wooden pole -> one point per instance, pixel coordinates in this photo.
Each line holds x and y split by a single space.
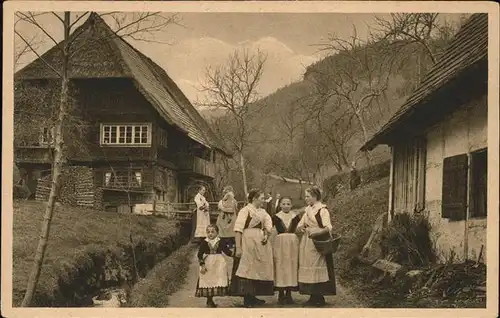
467 209
391 187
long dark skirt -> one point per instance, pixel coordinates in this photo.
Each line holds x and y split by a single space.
249 287
326 288
211 292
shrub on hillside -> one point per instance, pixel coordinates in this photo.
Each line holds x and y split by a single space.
376 172
407 240
334 183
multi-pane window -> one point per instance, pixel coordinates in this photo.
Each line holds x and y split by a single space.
123 179
126 134
46 136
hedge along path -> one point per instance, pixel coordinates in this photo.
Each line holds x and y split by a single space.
163 280
184 296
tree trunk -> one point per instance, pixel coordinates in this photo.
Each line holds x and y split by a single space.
365 137
243 174
363 126
56 173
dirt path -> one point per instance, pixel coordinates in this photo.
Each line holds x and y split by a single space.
184 297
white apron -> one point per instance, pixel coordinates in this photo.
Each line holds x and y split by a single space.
286 260
216 275
312 264
256 259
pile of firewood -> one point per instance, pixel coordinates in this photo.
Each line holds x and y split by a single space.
452 281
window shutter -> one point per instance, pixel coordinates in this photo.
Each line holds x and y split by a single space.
454 197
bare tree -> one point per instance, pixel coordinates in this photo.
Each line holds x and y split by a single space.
353 86
233 88
420 28
145 23
333 135
426 34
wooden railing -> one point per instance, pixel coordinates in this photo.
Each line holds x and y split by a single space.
184 211
35 154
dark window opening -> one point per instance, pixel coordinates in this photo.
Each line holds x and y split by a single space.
454 195
479 183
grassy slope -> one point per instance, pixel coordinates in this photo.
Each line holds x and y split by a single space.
354 214
72 230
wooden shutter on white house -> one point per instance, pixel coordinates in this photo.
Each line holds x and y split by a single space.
454 196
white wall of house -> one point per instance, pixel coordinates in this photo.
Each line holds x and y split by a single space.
462 132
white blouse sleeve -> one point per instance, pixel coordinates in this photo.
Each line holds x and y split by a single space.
325 218
199 202
301 222
239 224
268 223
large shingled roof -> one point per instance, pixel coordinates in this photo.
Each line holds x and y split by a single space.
469 46
106 55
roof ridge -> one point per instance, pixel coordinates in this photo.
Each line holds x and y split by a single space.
193 113
184 125
91 20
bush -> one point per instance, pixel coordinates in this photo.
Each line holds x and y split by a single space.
368 174
407 240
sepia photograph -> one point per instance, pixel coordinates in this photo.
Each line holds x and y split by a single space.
271 159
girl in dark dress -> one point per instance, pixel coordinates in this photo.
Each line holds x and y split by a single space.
213 277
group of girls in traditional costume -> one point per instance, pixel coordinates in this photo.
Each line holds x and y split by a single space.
268 254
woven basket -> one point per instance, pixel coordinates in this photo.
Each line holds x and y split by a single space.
326 246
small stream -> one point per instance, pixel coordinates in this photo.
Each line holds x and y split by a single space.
111 298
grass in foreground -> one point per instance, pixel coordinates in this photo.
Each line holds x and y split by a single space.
72 231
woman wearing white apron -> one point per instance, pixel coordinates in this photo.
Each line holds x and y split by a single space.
316 272
253 266
202 215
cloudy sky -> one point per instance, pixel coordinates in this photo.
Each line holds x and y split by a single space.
289 40
206 39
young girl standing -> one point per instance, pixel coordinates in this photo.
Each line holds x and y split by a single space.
213 279
286 251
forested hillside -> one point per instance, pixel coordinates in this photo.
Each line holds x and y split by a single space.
314 128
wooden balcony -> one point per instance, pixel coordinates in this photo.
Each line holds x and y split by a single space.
33 154
126 183
197 166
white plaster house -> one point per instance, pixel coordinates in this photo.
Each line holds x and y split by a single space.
438 141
